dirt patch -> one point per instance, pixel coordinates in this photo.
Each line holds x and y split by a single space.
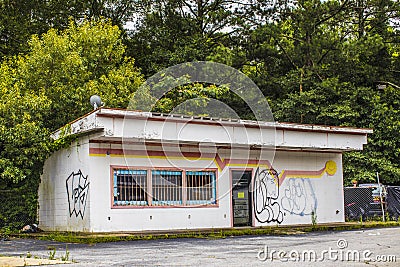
15 261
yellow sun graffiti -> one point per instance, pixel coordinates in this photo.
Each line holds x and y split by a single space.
330 167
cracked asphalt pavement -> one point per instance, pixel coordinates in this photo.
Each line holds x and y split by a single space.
375 247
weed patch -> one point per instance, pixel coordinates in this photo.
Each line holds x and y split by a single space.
92 238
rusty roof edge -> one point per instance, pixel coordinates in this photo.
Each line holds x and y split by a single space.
104 111
282 125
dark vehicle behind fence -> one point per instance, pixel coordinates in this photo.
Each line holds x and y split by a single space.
379 194
357 202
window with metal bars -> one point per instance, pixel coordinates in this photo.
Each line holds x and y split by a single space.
200 187
130 187
166 187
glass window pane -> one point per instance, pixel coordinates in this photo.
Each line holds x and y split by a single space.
130 187
201 187
167 187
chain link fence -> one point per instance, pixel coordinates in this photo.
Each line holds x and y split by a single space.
357 203
363 203
18 207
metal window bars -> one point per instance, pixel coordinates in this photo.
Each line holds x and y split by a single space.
130 187
200 187
164 187
167 188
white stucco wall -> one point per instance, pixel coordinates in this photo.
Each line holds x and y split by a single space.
55 204
307 187
304 176
300 193
105 219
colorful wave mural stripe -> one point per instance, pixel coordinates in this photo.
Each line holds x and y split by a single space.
330 167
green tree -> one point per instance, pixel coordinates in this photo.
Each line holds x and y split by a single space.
20 19
344 104
24 143
176 31
320 61
71 65
50 86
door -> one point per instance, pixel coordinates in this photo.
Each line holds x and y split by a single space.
241 198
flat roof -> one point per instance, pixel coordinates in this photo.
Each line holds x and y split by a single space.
108 124
135 114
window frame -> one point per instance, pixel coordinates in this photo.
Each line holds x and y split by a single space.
149 187
163 203
213 189
128 202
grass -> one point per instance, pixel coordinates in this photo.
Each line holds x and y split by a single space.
92 238
52 254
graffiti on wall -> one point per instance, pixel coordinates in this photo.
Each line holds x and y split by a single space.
273 199
299 197
266 193
77 191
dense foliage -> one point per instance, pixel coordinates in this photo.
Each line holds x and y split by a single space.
333 62
318 62
44 89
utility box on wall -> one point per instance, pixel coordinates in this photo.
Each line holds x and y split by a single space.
137 171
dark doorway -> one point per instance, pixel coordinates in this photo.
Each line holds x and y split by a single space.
241 198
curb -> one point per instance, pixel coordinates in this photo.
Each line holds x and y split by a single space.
212 233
